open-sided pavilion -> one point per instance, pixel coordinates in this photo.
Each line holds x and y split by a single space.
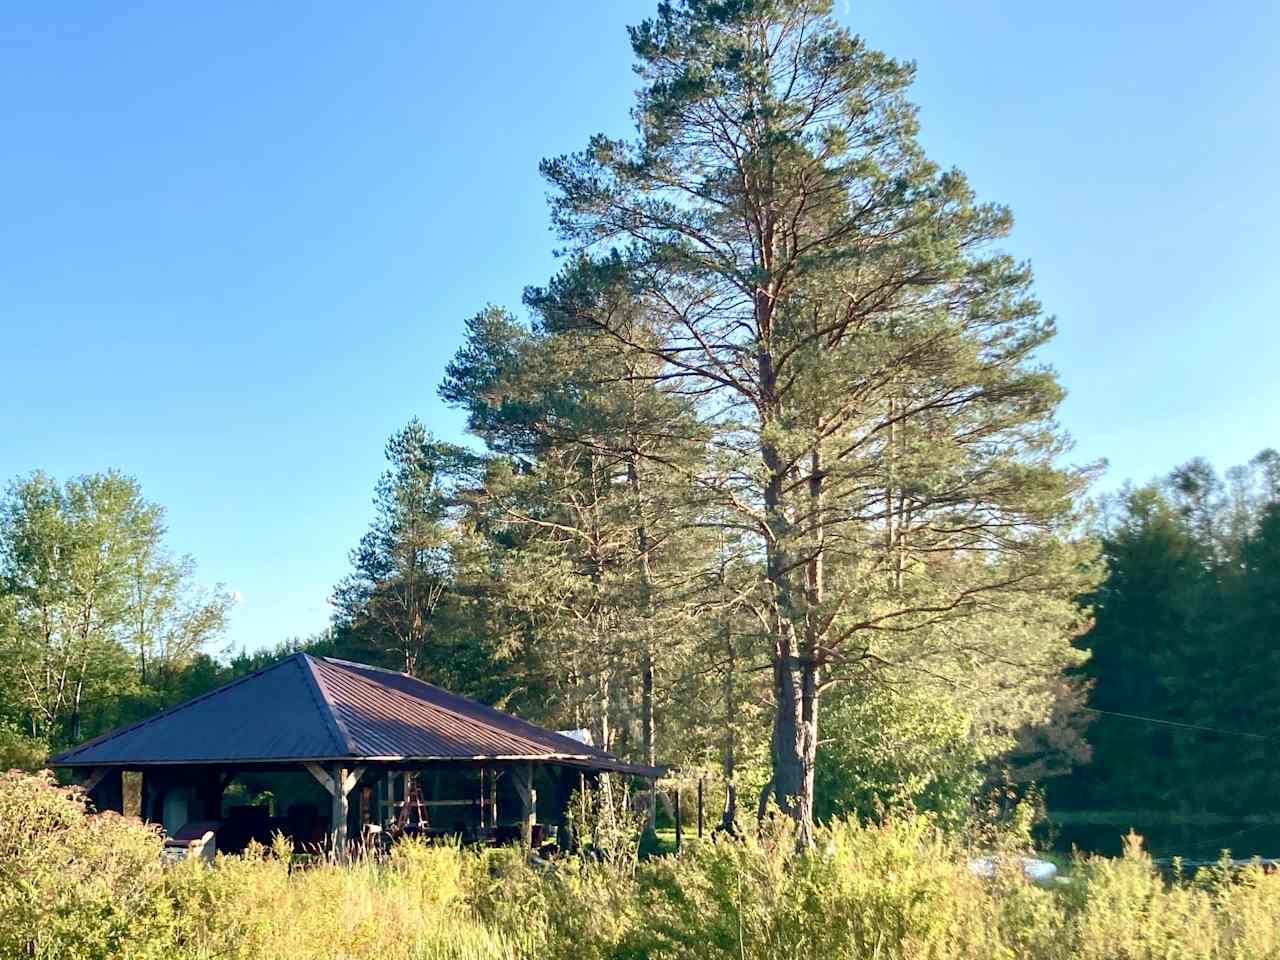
356 730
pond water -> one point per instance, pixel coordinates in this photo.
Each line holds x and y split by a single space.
1203 840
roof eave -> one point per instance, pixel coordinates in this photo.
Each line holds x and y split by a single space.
612 765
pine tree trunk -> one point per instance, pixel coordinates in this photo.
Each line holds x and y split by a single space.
729 816
647 721
603 704
795 742
75 712
795 733
795 739
729 695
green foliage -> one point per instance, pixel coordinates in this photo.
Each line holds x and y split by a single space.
19 751
96 617
93 887
775 249
890 750
586 552
396 598
895 890
604 826
1185 630
73 885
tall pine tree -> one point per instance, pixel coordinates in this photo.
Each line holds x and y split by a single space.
831 305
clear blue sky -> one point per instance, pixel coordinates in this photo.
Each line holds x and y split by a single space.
238 240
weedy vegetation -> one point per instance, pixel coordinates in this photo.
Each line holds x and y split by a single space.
86 886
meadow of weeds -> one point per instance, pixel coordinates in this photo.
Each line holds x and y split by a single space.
78 886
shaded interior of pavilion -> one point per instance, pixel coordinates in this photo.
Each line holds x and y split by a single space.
475 804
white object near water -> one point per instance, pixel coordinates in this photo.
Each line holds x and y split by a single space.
1037 871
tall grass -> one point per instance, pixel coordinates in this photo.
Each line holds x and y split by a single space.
93 887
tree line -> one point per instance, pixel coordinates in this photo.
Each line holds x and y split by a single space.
1183 709
1165 706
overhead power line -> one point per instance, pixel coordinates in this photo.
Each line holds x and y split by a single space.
1185 726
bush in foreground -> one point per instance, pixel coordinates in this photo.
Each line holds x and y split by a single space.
73 885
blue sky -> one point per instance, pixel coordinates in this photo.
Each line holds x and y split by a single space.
238 241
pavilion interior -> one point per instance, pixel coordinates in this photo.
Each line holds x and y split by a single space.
475 804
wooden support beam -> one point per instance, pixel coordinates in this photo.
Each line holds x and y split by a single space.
679 826
352 778
338 781
338 819
450 803
95 777
390 805
322 776
700 782
493 797
522 775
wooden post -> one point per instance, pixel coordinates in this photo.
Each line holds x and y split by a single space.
523 778
394 796
492 784
700 808
679 826
488 797
339 815
339 781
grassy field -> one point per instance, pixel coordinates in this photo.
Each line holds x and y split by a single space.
94 887
667 839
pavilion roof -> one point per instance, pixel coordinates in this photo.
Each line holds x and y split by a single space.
319 709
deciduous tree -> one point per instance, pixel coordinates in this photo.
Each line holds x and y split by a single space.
96 606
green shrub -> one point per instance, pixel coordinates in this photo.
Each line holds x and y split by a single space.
72 885
893 890
886 749
254 907
20 752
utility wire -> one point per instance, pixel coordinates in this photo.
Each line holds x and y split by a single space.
1185 726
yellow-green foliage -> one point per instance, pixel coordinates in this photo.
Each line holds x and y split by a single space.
20 752
253 907
72 885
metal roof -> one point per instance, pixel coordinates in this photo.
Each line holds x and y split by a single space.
323 709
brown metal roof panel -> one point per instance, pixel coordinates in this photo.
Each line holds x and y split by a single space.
452 717
386 719
614 765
